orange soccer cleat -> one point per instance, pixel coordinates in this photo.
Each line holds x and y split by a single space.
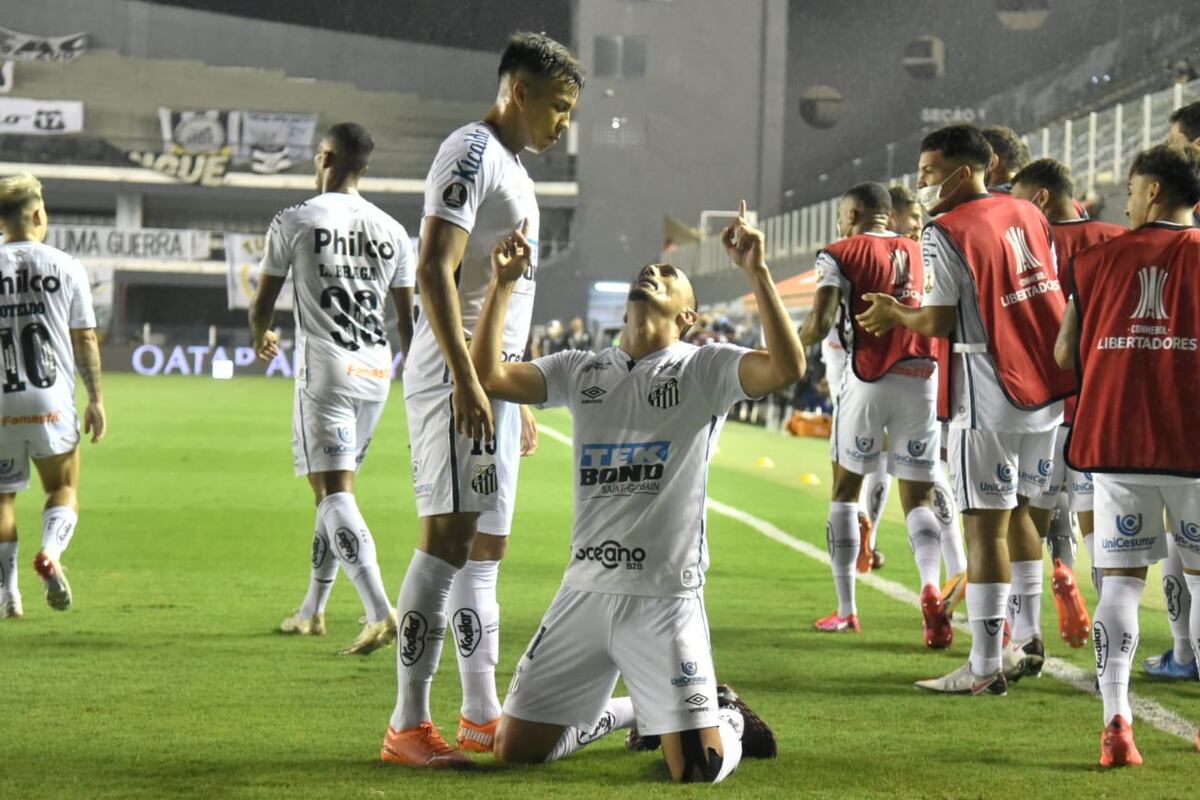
1074 624
835 624
422 746
1116 745
954 591
475 738
938 632
866 557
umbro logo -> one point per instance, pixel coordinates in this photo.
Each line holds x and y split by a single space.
696 700
593 394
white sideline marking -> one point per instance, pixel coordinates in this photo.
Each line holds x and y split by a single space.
1143 707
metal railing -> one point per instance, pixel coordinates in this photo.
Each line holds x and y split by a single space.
1098 148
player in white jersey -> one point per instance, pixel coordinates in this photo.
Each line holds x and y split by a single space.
47 330
345 256
465 449
647 416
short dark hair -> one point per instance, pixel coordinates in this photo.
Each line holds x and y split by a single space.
959 143
1049 174
1188 118
353 143
902 196
1013 153
1177 169
873 197
541 55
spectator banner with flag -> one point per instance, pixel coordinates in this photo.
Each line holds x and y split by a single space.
243 254
274 141
193 132
40 117
27 47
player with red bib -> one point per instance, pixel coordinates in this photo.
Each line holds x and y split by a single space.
1131 329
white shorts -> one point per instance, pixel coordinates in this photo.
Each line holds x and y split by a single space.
659 645
990 469
834 357
1129 520
331 432
46 435
1078 485
903 407
456 474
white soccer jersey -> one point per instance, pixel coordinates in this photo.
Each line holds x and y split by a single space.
977 399
644 435
44 294
345 254
480 186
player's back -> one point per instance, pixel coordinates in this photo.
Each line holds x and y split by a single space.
344 254
44 293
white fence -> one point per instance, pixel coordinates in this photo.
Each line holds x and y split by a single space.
1098 148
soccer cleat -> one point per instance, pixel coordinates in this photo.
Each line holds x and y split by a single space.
1167 668
301 625
636 743
866 557
963 681
938 632
758 740
835 624
1074 624
1117 748
422 746
954 590
10 606
58 590
1024 659
374 635
474 738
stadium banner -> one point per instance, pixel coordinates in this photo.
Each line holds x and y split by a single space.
6 77
40 117
102 241
243 254
273 141
198 360
27 47
194 132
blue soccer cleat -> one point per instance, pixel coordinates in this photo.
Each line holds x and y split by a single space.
1167 668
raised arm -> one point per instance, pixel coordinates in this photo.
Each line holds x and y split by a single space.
517 382
783 362
1067 343
442 247
87 361
262 315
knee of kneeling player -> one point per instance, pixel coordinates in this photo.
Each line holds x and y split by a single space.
508 750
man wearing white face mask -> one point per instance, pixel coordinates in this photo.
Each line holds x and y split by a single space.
992 287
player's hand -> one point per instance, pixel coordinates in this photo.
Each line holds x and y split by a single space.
882 315
529 432
744 243
268 346
513 254
473 410
95 421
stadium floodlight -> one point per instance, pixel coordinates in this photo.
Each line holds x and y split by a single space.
611 287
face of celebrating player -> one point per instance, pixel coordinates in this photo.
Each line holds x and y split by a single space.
1143 191
546 105
666 290
1037 195
906 221
939 180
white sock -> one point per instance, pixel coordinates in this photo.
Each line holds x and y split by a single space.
985 606
926 544
1115 633
58 526
1193 582
8 568
618 714
730 725
1025 602
949 530
1179 604
351 540
475 625
1089 541
422 610
843 539
874 495
324 573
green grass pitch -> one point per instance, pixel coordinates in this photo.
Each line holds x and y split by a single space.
166 679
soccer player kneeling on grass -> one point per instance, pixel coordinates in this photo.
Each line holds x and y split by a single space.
1132 324
646 418
345 256
49 330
